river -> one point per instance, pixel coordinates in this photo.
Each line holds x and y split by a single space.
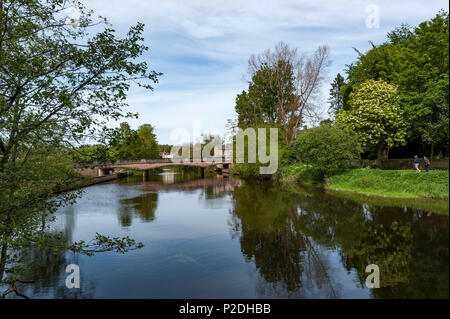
219 237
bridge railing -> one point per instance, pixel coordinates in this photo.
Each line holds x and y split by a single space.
210 159
215 159
132 161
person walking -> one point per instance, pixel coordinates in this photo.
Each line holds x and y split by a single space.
427 163
416 163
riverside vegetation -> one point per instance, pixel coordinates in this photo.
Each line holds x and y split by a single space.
392 103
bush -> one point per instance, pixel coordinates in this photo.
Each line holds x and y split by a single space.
326 147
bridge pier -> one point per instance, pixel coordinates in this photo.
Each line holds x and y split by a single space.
105 171
202 171
144 174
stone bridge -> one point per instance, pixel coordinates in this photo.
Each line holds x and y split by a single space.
105 168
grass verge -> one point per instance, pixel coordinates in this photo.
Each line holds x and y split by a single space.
392 183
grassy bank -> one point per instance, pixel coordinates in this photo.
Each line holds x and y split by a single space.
298 173
392 183
392 188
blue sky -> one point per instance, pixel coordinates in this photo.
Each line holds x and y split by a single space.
202 47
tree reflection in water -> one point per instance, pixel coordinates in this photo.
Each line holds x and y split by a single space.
267 224
142 206
289 237
300 241
37 271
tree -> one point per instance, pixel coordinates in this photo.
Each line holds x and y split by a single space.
416 61
283 87
164 148
147 141
325 147
121 140
436 131
90 153
423 82
126 143
59 82
336 100
400 35
375 115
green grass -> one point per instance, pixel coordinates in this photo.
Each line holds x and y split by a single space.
299 173
392 183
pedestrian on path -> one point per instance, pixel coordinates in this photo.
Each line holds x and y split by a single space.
427 163
416 163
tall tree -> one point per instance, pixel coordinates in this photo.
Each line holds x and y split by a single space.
335 100
283 89
148 143
121 141
126 143
59 82
416 61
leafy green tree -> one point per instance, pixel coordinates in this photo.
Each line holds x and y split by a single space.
258 106
375 115
336 100
147 141
436 131
326 147
400 35
425 80
164 148
59 82
90 153
126 143
416 61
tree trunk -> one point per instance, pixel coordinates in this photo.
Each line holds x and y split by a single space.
3 260
382 153
432 150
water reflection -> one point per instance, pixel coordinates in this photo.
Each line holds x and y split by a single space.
142 206
284 234
37 271
219 237
168 177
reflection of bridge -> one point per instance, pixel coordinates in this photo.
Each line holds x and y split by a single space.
144 165
219 184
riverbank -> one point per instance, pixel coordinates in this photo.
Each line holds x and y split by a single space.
392 188
88 181
392 183
373 181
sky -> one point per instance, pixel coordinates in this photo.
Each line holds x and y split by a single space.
202 48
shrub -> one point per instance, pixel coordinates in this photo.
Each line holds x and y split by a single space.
326 146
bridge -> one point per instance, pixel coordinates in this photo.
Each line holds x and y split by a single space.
106 168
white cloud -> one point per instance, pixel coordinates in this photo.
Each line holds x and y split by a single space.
202 46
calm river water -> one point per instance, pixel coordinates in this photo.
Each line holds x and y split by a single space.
225 238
